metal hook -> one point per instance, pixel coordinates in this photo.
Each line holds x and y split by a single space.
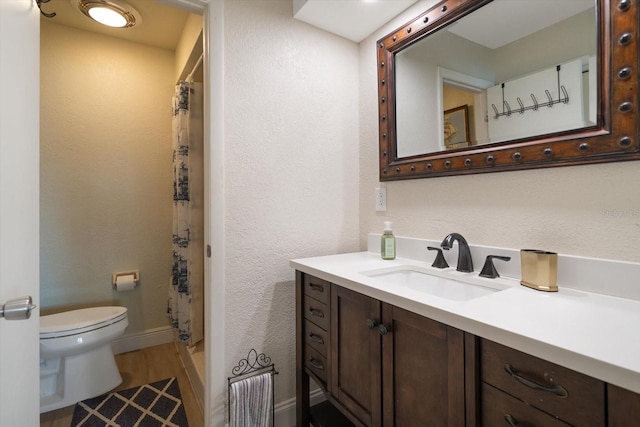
550 104
496 111
565 94
535 102
521 105
506 104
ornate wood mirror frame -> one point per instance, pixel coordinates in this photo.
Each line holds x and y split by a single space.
616 136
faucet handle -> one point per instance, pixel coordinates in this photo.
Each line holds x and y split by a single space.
439 262
489 270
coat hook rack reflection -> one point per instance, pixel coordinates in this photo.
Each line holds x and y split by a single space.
45 14
563 97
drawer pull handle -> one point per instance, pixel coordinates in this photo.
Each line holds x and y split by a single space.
316 313
316 338
510 420
315 287
558 390
316 364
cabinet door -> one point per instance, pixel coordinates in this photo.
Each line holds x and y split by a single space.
423 371
355 355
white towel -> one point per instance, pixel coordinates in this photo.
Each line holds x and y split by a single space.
251 402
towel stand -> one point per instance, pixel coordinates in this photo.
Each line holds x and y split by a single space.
253 364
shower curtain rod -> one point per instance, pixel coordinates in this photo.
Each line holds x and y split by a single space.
195 67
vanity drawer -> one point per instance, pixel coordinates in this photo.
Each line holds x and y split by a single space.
316 337
316 363
317 288
573 397
316 312
501 409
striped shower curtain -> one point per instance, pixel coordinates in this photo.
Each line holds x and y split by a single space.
180 290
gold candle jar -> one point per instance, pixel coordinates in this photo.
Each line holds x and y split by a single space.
539 270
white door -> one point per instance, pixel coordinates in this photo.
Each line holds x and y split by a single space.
19 208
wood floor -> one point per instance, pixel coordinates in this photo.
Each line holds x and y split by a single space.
142 367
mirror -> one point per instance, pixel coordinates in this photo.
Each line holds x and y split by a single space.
502 59
474 86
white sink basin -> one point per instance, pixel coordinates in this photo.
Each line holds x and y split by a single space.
424 281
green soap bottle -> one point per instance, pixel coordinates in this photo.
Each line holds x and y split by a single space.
388 242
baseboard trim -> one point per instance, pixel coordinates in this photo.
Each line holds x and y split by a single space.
144 339
285 412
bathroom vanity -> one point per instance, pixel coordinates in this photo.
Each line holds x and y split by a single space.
388 354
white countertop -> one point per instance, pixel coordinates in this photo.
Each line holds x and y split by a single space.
594 334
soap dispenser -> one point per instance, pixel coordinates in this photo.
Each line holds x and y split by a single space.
388 242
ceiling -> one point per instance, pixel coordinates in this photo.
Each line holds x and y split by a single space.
161 25
491 26
504 21
351 19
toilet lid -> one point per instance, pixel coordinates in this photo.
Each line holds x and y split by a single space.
79 321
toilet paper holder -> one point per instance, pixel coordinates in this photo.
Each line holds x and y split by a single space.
135 273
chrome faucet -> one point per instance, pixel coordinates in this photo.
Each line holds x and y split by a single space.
465 263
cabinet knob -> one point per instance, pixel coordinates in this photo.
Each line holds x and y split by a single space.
371 323
383 329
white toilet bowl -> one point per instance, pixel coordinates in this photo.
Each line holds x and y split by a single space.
76 360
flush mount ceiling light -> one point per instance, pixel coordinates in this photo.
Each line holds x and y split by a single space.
113 13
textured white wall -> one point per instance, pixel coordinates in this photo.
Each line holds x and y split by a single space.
591 210
105 189
291 173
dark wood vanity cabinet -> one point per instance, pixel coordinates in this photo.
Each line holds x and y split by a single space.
355 355
520 389
391 367
623 407
385 366
422 371
316 322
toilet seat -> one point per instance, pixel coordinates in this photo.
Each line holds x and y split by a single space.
79 321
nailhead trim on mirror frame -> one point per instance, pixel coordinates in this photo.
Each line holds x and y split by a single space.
616 138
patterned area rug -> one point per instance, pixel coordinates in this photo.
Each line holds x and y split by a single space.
150 405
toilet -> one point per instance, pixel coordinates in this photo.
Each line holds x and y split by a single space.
76 360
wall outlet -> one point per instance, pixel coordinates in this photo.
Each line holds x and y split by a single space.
381 199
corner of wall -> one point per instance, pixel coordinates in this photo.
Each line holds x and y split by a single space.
189 47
